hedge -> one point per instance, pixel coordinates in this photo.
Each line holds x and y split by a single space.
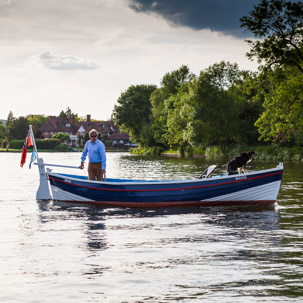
41 144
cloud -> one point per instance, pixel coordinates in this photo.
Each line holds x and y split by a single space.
6 2
50 61
216 15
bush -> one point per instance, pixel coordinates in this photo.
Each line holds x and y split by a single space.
189 151
47 144
61 148
297 153
199 150
156 151
213 152
152 151
16 144
41 144
298 136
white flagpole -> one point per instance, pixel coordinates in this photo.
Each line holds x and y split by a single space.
33 140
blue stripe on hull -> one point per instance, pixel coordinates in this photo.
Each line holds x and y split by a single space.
163 191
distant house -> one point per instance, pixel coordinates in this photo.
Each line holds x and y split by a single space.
110 133
120 141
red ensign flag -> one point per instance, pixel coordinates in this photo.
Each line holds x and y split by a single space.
27 143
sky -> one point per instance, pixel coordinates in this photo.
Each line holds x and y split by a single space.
83 54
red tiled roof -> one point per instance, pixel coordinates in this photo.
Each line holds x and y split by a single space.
101 126
57 124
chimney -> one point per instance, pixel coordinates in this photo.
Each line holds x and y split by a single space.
88 118
53 120
70 120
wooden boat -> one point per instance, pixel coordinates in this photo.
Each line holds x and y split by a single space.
260 187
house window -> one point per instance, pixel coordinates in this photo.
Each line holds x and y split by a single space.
67 125
45 133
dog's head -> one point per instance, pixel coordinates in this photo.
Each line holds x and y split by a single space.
252 155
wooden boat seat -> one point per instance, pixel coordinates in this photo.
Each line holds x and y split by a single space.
208 171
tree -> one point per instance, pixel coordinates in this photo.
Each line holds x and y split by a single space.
171 84
17 128
68 114
281 122
248 107
10 118
178 115
214 116
133 113
37 120
62 137
278 25
2 131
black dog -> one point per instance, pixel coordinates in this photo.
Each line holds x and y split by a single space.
239 163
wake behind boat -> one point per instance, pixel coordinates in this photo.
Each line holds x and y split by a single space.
261 187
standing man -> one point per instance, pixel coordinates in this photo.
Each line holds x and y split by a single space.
96 156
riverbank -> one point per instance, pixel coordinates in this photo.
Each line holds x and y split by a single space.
12 150
264 152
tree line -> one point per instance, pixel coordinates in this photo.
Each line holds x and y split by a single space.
224 105
17 128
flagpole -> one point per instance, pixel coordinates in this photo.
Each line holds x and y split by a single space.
33 140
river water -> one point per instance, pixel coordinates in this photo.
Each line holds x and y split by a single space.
85 254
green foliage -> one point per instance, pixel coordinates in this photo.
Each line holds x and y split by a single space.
2 131
173 81
213 113
41 144
16 144
62 137
151 151
298 137
37 120
270 152
165 103
68 114
61 148
16 128
177 116
282 121
278 24
4 144
133 113
215 108
199 150
10 118
213 152
47 144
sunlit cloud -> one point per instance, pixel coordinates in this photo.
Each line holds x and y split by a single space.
64 62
